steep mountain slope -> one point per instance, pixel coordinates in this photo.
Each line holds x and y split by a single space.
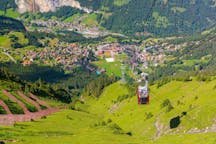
197 57
45 6
109 119
136 17
192 101
162 17
8 24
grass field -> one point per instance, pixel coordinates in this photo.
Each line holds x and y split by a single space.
5 42
10 13
107 120
121 2
111 68
91 20
72 18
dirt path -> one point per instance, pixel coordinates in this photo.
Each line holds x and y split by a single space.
7 54
212 128
39 101
159 128
6 108
10 118
14 99
29 100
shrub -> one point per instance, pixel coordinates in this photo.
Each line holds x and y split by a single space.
2 111
109 120
174 122
122 97
169 108
184 113
163 82
166 103
116 129
148 115
14 107
129 133
43 107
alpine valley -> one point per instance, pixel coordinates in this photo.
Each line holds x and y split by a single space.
107 71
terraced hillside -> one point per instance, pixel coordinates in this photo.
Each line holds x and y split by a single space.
17 107
179 112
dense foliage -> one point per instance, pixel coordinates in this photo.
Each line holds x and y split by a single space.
35 72
202 58
6 4
95 87
62 13
38 88
53 83
9 24
162 18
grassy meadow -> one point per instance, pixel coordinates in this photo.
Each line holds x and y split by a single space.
111 120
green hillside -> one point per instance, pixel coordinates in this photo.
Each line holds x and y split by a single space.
158 17
10 24
111 120
134 17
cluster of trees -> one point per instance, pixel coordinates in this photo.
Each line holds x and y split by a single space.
6 4
205 52
93 4
167 104
38 87
9 24
182 17
95 87
61 13
35 72
53 83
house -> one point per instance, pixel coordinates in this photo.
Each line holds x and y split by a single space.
26 62
91 67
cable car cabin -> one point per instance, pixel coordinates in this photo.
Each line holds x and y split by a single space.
143 94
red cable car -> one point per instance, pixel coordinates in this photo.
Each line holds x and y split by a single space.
143 93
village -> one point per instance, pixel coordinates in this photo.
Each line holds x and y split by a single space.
86 31
73 55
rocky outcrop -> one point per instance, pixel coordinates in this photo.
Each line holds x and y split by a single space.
47 5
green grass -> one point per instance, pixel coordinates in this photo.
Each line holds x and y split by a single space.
197 99
72 18
5 41
10 13
14 107
29 106
111 68
21 38
91 20
178 9
105 117
62 127
2 110
121 2
193 62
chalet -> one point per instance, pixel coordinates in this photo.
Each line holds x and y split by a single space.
26 62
